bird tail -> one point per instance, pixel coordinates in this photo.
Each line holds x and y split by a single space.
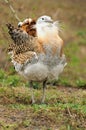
17 35
10 28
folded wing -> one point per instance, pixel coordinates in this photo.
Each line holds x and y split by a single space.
24 46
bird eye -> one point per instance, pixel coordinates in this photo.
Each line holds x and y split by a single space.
42 18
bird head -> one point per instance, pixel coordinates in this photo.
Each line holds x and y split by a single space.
44 19
46 28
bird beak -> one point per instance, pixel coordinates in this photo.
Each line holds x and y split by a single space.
49 21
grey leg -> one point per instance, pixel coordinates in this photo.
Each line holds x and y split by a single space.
32 93
44 88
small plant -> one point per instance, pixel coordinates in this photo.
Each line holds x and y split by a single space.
12 70
81 33
81 83
13 80
2 74
35 85
64 82
26 123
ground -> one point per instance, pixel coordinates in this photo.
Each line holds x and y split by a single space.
65 106
64 109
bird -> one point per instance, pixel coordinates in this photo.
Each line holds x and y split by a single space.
39 57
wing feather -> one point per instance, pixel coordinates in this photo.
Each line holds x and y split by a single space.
23 58
24 48
22 41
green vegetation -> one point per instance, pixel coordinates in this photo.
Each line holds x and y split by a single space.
9 80
65 106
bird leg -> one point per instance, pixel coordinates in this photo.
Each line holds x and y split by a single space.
32 93
44 87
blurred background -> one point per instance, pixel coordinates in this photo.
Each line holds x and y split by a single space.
72 17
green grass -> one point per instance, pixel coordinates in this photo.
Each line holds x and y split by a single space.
9 80
64 109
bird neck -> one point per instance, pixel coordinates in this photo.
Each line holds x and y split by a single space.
46 32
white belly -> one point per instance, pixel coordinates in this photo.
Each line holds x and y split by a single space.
40 71
36 72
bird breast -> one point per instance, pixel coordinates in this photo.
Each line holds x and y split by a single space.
46 31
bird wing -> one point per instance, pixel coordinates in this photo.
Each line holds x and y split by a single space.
20 38
24 48
22 41
26 57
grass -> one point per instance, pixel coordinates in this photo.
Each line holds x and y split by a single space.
65 106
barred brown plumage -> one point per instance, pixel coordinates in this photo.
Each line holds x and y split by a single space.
27 25
22 43
21 58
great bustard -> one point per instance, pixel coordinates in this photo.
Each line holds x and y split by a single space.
37 57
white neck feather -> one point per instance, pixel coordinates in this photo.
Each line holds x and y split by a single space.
46 30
